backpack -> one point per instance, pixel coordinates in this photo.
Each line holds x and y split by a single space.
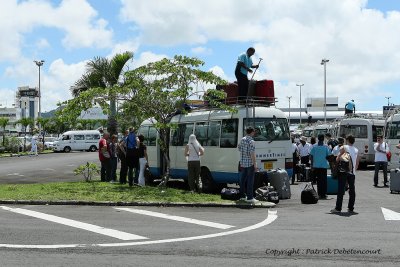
345 163
309 195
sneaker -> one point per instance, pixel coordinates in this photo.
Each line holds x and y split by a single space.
351 211
375 185
335 211
252 201
385 185
242 199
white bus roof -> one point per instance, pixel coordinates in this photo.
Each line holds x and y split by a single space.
206 114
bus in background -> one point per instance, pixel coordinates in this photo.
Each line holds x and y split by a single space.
365 131
308 132
219 132
393 139
321 129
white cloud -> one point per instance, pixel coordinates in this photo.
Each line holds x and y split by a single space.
75 18
201 50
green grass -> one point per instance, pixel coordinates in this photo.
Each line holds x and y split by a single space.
100 191
8 154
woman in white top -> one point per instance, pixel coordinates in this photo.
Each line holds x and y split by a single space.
34 150
193 151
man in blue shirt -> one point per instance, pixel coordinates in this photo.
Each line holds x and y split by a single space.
320 165
243 67
350 107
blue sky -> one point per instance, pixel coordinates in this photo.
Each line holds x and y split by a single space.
359 37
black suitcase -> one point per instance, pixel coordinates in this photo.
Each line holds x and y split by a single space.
230 194
394 180
280 180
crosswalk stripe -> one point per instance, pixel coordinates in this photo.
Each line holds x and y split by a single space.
177 218
81 225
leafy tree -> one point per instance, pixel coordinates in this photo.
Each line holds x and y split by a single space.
3 123
104 75
159 89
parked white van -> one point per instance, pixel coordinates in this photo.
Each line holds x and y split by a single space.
78 140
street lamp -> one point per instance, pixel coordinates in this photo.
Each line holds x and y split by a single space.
323 62
39 63
300 98
289 97
388 97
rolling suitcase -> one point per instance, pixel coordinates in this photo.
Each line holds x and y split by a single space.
280 180
265 90
395 180
332 185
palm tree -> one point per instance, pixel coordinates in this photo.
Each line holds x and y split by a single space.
104 73
3 123
44 123
25 122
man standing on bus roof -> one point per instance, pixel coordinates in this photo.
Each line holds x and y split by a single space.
381 148
248 165
350 107
243 67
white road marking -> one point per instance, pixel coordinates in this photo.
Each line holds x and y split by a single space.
85 226
177 218
272 216
48 169
390 215
15 174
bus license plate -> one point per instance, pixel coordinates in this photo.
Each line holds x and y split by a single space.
268 165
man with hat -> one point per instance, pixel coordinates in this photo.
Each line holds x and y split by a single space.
304 151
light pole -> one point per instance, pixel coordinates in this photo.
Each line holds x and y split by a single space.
289 97
323 62
39 63
300 85
388 97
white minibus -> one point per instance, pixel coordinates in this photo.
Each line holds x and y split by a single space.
364 131
393 139
78 140
219 132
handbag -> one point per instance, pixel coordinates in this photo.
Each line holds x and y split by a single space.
106 154
388 154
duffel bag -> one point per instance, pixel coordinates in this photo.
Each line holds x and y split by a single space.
309 195
230 194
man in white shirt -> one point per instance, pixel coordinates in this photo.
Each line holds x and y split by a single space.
304 151
381 148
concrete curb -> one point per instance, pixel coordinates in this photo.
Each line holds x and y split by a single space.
146 204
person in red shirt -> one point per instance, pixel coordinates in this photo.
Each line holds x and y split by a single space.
104 157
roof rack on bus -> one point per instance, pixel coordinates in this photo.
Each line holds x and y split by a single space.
247 101
364 116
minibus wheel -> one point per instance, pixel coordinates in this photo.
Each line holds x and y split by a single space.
92 149
67 149
208 184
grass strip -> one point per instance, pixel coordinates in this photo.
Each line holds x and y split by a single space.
101 191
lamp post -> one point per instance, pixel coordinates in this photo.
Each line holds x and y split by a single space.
289 97
39 63
300 85
388 97
323 62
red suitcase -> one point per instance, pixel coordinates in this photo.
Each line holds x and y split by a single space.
232 92
265 90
